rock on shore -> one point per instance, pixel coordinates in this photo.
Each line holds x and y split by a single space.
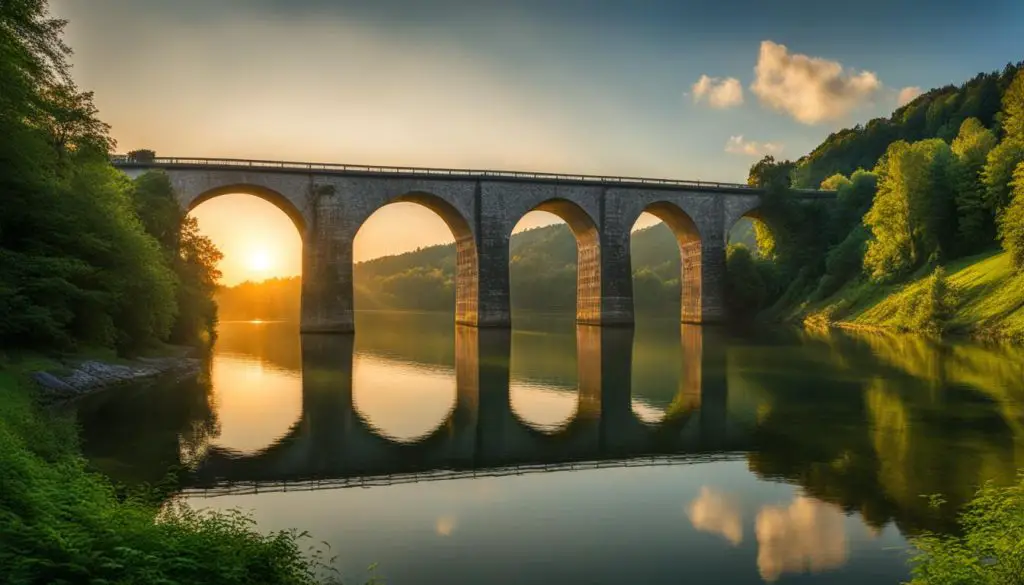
89 376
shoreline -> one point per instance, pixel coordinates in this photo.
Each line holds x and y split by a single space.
76 378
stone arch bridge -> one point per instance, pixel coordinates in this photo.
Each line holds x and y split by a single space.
328 204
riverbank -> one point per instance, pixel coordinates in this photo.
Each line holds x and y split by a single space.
985 300
62 379
60 522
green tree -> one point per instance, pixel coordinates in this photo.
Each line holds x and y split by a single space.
191 255
1011 225
768 171
909 215
975 222
746 290
1004 158
1012 115
998 173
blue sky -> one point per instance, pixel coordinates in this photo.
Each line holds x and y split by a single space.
599 87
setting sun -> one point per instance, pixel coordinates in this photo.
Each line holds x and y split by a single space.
260 261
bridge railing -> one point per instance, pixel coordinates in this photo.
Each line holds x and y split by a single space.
124 160
260 487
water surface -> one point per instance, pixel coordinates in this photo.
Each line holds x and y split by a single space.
557 453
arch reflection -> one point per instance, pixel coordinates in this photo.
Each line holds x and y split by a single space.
331 440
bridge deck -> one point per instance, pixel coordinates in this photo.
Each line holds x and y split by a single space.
421 172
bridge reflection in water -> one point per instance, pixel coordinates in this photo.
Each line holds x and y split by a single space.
332 445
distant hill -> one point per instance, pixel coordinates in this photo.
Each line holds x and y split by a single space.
542 268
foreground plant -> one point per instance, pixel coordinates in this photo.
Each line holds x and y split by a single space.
990 550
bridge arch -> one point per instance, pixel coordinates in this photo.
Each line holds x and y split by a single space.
584 228
269 195
467 271
690 243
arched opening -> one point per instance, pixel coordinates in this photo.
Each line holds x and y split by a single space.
753 232
665 250
753 281
543 375
555 263
418 254
255 370
415 269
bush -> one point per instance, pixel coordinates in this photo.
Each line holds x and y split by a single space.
929 306
60 523
990 550
746 291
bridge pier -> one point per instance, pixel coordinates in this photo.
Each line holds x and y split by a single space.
327 303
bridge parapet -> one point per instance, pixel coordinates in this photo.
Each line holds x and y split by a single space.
124 161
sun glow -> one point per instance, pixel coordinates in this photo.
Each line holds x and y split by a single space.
260 261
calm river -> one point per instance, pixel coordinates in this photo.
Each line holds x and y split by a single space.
560 454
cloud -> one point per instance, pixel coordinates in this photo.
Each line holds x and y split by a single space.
907 95
737 145
810 89
807 536
719 93
716 513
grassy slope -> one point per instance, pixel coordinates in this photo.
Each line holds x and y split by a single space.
990 300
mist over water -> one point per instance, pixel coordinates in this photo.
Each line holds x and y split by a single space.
563 453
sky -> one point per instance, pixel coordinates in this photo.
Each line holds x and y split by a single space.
693 90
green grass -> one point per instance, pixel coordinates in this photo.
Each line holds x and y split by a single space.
987 301
62 523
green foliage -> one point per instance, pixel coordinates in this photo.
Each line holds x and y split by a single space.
843 263
750 283
768 172
989 551
61 523
929 306
86 256
191 255
1011 225
909 218
938 113
975 221
998 173
1012 119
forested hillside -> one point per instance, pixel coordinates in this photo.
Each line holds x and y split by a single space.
935 114
940 185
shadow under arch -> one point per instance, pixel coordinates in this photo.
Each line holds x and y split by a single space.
689 240
764 228
588 256
269 195
467 262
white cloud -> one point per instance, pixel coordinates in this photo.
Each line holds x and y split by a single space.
719 93
810 89
737 145
806 536
907 95
716 513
